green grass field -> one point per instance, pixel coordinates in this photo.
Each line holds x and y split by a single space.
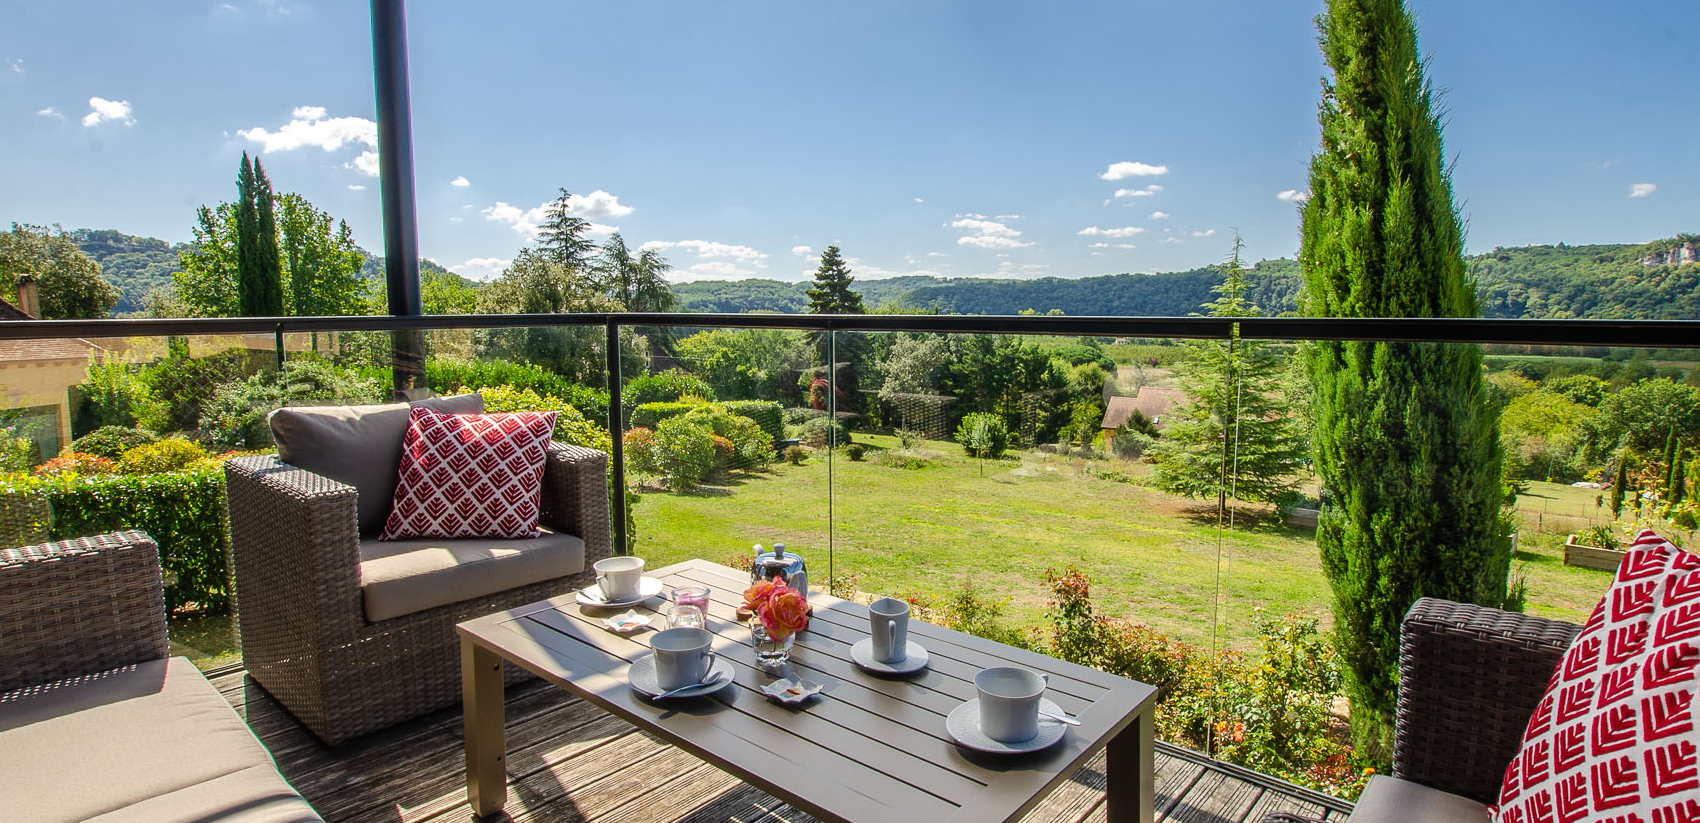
1153 558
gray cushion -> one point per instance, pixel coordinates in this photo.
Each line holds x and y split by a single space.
153 742
1393 800
357 445
400 577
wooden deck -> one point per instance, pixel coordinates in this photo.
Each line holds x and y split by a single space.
568 761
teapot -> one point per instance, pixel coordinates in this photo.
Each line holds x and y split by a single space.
780 565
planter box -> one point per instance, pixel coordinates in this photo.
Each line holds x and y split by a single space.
1590 557
1302 518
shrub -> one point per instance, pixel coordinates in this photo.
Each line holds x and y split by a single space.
969 611
666 387
168 455
17 453
111 442
796 455
640 450
901 459
983 435
767 414
1131 444
823 431
235 418
724 451
182 511
650 415
752 448
570 424
184 385
114 394
854 451
446 375
684 453
799 416
76 463
910 438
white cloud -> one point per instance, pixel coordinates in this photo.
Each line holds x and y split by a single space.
1125 169
1010 269
711 270
988 234
481 268
937 254
102 110
1642 189
1159 215
804 250
1173 240
529 222
918 200
460 182
1145 192
356 187
711 250
50 112
1293 196
1205 233
366 163
17 64
310 128
597 205
1124 231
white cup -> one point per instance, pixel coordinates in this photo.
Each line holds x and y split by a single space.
1009 703
682 657
890 627
621 578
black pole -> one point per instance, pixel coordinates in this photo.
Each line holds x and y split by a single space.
395 183
617 448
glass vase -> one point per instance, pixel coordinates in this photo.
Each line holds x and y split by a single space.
771 654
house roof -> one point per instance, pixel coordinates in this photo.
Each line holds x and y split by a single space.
51 348
11 312
1152 402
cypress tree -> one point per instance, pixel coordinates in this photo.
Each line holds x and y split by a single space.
832 293
1620 484
271 263
259 276
1678 481
1406 437
1670 463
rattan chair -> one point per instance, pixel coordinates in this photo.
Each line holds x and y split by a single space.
1469 678
305 635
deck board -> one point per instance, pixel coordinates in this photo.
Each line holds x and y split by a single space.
568 762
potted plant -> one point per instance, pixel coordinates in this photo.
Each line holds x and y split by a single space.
1595 547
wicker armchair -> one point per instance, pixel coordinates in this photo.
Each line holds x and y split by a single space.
1469 678
305 636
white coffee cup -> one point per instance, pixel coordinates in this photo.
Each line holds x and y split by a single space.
682 657
890 626
621 578
1009 703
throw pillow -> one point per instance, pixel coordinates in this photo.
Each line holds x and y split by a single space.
470 475
1613 739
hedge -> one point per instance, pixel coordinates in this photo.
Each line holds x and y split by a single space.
650 415
183 512
446 375
767 414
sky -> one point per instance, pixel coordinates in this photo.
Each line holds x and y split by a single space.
954 138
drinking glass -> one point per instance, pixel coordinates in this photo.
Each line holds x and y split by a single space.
683 616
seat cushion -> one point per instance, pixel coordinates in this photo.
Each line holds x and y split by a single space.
400 577
1391 800
357 445
149 742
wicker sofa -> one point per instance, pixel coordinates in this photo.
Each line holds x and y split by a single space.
96 723
1469 678
347 658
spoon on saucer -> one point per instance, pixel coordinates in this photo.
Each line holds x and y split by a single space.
709 682
1064 718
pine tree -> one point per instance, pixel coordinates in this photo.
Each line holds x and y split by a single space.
563 240
1406 439
1234 435
832 293
259 276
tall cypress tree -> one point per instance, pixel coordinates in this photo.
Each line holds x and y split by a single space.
1406 436
259 273
832 293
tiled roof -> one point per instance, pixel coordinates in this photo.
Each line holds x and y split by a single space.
11 312
1152 402
51 348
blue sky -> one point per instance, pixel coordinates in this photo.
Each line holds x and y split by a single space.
922 136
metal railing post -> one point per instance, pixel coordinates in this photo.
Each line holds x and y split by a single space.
616 446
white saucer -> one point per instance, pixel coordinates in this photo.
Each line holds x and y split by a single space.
642 678
792 691
592 595
915 658
964 725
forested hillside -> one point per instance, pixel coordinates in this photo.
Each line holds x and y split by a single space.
136 265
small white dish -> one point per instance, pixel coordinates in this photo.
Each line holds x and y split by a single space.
641 676
914 658
592 595
964 725
792 691
628 622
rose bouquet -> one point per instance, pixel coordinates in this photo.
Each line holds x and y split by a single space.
782 610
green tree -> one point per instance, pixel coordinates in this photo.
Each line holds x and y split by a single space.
68 283
563 239
317 267
638 282
537 282
1642 416
447 293
259 273
1407 441
323 264
206 284
832 293
1233 436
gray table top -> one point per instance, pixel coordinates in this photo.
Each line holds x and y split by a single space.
870 749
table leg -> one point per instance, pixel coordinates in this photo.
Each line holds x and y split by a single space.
1128 764
486 746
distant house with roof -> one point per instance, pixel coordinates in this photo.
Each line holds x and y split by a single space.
35 378
1152 402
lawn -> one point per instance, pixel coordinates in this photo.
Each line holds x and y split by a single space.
1154 558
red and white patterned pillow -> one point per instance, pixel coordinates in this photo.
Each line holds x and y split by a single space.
470 475
1613 740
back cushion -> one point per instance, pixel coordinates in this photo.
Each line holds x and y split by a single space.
357 445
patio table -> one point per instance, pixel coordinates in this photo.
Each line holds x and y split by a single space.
870 749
